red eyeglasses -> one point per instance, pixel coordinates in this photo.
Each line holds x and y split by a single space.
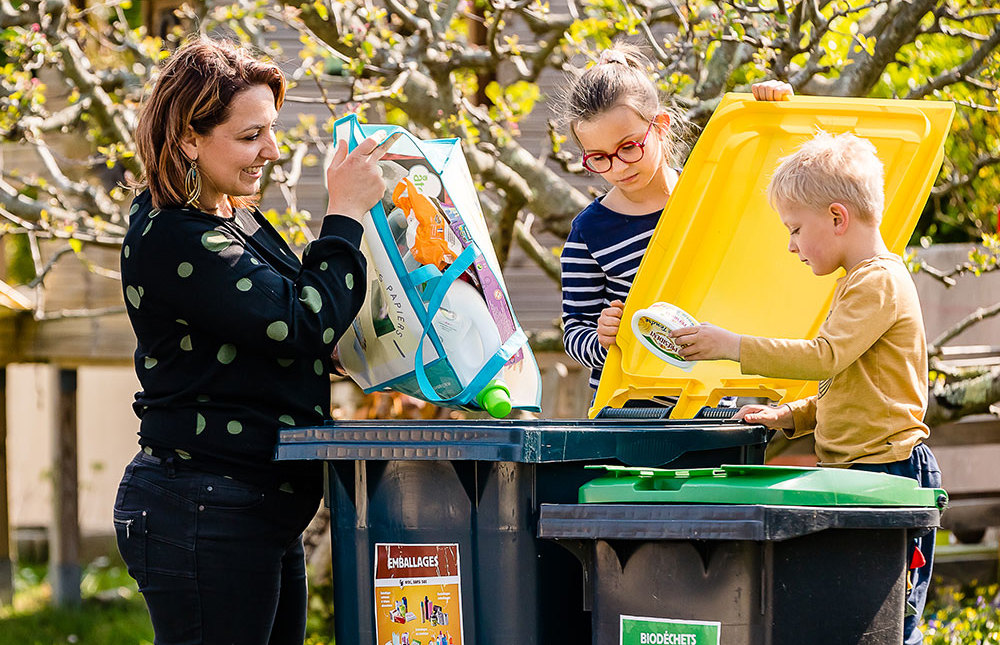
628 152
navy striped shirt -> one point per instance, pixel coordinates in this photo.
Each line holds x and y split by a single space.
599 261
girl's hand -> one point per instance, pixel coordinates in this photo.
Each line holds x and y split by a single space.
707 342
772 91
779 418
609 322
354 180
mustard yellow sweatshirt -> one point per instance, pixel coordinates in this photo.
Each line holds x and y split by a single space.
870 357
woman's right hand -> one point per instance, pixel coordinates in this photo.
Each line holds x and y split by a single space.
354 180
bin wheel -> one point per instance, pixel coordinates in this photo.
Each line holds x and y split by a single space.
969 536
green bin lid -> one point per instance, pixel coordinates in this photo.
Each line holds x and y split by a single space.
768 485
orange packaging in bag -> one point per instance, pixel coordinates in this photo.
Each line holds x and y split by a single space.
430 245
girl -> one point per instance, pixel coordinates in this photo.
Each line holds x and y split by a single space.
615 115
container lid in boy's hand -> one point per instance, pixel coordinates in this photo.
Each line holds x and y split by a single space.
720 251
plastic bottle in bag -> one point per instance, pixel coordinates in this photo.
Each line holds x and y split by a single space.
470 337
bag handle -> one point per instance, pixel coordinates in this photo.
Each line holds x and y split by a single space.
492 366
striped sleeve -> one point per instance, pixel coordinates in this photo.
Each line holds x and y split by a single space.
584 296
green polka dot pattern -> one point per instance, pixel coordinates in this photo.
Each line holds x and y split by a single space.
215 241
349 280
185 269
285 362
183 454
319 410
132 211
133 297
186 343
234 427
312 299
244 284
322 265
126 251
199 425
148 226
287 420
278 330
318 367
227 353
150 362
328 335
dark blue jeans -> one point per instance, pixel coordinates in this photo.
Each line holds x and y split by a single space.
218 561
923 467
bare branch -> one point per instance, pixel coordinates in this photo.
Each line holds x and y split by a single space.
958 181
970 396
895 28
538 253
967 68
979 315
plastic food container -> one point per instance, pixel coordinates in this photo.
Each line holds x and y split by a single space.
652 327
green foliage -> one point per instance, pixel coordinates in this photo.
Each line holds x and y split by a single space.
20 269
963 615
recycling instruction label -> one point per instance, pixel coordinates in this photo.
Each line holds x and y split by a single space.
641 630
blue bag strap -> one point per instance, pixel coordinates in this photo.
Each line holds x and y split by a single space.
463 262
426 273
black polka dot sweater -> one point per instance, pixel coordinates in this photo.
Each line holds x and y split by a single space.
234 333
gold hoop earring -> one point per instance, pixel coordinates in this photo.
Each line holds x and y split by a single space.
192 184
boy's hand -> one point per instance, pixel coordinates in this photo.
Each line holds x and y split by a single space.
772 91
775 418
609 322
707 342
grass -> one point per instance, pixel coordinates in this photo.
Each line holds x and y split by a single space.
113 613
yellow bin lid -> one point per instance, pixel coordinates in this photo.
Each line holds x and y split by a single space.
721 253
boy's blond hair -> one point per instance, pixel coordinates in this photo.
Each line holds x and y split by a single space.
830 168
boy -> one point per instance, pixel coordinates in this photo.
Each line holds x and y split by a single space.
870 354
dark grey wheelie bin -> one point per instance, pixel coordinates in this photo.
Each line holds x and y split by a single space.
479 484
745 555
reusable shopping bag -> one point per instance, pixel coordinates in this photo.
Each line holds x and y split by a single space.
437 322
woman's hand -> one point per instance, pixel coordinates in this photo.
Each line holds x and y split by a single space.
354 180
707 342
779 418
609 322
772 91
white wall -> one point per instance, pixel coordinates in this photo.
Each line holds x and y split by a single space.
106 440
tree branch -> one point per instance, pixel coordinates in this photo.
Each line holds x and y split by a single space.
979 315
897 27
949 401
972 64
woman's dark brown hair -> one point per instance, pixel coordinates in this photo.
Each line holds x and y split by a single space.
196 87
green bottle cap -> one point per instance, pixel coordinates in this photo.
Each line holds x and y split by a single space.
495 399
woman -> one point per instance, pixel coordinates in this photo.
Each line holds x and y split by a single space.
234 340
